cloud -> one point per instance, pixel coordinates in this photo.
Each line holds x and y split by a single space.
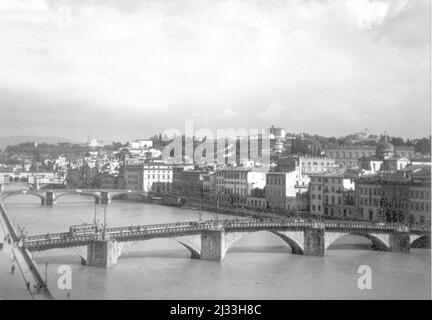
152 64
228 113
273 112
373 13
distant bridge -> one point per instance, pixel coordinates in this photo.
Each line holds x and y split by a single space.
50 197
210 240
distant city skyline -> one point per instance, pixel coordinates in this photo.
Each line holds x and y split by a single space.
118 71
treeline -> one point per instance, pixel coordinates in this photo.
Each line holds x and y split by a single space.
30 149
304 144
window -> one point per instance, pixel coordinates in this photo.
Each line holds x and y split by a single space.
411 219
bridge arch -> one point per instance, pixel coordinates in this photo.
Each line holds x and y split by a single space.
295 239
420 241
379 241
85 194
192 243
20 193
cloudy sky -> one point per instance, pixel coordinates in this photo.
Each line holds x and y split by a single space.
120 69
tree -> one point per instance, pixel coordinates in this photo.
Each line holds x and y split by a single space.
397 141
423 146
300 146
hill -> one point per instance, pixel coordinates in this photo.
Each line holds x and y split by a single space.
14 140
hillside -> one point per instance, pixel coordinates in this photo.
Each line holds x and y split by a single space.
14 140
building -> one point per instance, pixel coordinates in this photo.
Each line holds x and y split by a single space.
209 182
106 181
177 180
283 187
349 155
149 177
307 164
300 202
384 159
394 199
312 165
276 133
277 139
192 183
332 194
256 202
234 185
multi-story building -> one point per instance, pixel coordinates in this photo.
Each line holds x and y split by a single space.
311 165
177 177
306 164
209 182
394 199
384 159
349 155
332 194
280 186
192 183
283 189
256 202
106 181
235 184
149 177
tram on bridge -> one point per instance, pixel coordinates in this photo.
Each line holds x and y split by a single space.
83 229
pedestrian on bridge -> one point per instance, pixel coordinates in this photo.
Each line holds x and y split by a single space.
13 269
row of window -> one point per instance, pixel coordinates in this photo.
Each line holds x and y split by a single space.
316 208
420 206
420 194
274 180
326 180
316 163
158 176
275 192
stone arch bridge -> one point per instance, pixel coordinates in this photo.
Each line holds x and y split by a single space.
50 197
210 240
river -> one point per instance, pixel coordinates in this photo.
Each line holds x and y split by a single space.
258 266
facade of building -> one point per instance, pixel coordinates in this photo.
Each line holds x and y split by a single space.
349 155
332 194
256 202
106 181
209 182
384 159
148 177
394 199
281 186
312 165
192 183
236 184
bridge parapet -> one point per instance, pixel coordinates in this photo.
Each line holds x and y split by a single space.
304 237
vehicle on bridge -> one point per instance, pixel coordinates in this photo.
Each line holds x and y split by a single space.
82 229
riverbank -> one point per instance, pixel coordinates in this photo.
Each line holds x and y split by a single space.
23 259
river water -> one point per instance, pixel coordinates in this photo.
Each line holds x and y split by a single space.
258 266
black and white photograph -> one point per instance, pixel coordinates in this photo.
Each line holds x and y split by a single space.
215 150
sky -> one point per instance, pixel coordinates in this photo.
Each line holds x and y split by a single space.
118 70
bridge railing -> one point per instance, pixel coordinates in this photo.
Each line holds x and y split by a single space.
194 226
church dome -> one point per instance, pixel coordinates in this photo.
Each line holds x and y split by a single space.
384 148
